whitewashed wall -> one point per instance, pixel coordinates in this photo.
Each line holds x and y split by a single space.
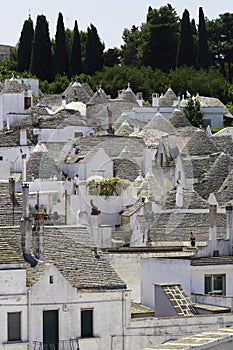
198 273
161 270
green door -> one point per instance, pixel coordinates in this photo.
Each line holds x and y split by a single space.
50 329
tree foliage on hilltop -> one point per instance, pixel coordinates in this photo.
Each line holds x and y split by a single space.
164 51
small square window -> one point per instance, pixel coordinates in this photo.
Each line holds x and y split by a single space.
14 326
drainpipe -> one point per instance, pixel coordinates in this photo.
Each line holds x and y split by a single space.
229 226
29 318
123 320
12 195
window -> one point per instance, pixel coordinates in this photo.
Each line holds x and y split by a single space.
78 134
14 326
86 323
215 284
1 157
27 102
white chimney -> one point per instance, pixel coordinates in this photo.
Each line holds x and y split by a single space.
63 102
213 228
120 94
8 122
155 100
26 223
179 196
23 137
24 169
178 103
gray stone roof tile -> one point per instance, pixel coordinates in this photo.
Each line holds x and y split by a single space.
177 226
215 176
74 253
178 119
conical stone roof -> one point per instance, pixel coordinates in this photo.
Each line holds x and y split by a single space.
178 119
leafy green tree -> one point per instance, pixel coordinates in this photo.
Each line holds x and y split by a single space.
186 53
94 51
220 32
76 55
112 57
159 43
57 86
9 66
25 46
142 79
205 82
203 51
60 58
41 50
193 112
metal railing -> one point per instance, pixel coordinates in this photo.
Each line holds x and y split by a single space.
71 344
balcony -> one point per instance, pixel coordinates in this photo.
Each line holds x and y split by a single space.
61 345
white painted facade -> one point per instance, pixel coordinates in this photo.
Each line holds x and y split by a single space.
60 295
213 116
158 270
12 104
65 134
12 160
113 327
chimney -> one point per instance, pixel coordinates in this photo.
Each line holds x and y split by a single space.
24 171
63 102
155 100
178 103
229 226
26 223
23 137
213 228
8 122
213 224
26 228
38 236
179 195
120 94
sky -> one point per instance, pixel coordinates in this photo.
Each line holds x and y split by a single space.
110 17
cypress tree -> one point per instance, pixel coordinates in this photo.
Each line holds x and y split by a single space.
41 50
186 53
25 46
203 54
94 51
60 58
76 57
